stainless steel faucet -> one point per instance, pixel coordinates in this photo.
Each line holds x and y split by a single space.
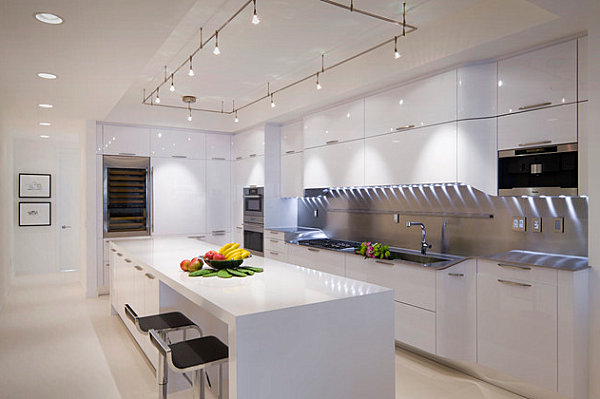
424 244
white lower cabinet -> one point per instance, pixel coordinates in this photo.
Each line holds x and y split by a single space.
335 165
317 259
517 327
414 326
275 247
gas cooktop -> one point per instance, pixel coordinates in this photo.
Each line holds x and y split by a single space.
329 244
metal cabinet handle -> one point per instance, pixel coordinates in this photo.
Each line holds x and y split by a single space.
238 227
128 260
274 241
405 127
290 152
238 158
126 153
313 250
179 156
114 250
252 155
456 274
535 143
506 265
384 263
274 253
535 105
136 267
332 142
119 254
150 276
218 232
218 159
514 283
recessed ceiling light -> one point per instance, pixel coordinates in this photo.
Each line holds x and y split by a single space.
45 105
48 18
44 136
46 75
45 123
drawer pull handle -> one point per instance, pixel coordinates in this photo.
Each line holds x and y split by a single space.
238 227
313 250
150 276
218 232
456 274
126 153
274 241
252 155
114 250
119 254
238 158
218 159
535 105
332 142
535 143
179 156
514 283
290 152
384 263
127 260
274 253
514 266
405 127
138 268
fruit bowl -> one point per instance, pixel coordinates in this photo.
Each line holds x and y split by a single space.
223 264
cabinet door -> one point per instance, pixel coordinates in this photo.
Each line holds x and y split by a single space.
138 299
218 195
292 166
583 149
291 138
335 125
517 330
477 91
335 165
582 69
113 289
414 326
456 312
238 234
422 103
125 140
179 196
540 127
178 144
424 155
317 259
547 76
476 156
250 143
218 147
219 237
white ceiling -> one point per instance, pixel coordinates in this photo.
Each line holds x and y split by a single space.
107 52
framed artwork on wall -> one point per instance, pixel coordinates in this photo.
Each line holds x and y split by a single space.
32 185
35 214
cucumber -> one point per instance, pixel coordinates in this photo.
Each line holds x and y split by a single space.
236 272
200 272
211 274
224 274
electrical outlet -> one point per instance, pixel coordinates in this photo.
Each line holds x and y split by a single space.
316 213
519 223
559 225
396 218
536 225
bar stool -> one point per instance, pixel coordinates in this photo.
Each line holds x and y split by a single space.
194 355
162 324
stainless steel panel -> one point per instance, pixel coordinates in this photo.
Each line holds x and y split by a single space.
537 191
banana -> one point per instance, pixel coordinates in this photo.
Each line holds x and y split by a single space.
231 249
225 247
233 253
245 254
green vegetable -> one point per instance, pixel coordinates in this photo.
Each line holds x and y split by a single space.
200 272
236 272
254 269
224 274
212 273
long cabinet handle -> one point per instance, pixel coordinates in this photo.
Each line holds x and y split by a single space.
150 276
535 143
514 283
238 227
114 250
384 263
127 153
274 253
219 233
218 158
274 241
136 267
252 155
313 250
506 265
119 254
179 156
535 105
456 274
405 127
290 152
128 260
332 142
238 158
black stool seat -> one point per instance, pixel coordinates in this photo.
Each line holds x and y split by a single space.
164 321
197 351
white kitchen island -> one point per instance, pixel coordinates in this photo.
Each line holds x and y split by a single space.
292 332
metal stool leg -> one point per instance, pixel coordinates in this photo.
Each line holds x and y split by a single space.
162 372
198 384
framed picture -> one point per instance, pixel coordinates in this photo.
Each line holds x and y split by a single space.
34 185
34 214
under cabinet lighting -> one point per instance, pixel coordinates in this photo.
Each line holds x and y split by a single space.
216 51
46 75
255 19
48 18
45 105
500 83
45 124
44 136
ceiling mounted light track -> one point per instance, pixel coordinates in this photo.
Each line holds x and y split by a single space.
148 100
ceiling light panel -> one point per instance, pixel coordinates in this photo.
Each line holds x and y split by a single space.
46 75
45 105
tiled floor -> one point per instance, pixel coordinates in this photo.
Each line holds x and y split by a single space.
56 344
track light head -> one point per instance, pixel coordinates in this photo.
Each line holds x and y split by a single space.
172 88
319 87
191 71
216 51
272 102
255 19
157 100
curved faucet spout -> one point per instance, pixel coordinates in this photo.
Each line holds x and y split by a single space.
424 244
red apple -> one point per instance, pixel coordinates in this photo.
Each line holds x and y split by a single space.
218 256
195 264
210 254
185 265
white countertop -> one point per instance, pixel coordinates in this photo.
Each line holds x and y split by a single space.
281 285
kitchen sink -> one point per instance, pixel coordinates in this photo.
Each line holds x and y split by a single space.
423 259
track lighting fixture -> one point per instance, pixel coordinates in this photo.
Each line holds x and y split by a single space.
191 72
190 114
216 51
172 88
255 19
396 53
236 119
272 102
319 87
157 97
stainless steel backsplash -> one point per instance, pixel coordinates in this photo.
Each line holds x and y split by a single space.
459 219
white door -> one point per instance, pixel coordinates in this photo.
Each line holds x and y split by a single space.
67 209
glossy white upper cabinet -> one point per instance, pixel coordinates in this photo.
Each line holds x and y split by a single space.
422 103
476 154
538 78
292 175
168 143
540 127
99 139
250 143
582 69
291 138
583 149
424 155
218 196
179 196
335 125
218 147
335 165
477 91
126 140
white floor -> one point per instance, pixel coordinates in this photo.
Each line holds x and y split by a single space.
54 343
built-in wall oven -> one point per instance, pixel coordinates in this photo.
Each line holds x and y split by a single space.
126 196
254 221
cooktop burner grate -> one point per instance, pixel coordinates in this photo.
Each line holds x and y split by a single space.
329 244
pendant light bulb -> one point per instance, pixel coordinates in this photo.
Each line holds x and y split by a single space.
272 102
255 19
172 88
319 87
396 53
191 72
236 119
190 115
216 51
157 97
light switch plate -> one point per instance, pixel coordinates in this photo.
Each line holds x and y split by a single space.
519 223
536 225
558 225
396 218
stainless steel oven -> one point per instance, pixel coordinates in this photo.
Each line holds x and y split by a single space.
254 220
253 202
254 237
